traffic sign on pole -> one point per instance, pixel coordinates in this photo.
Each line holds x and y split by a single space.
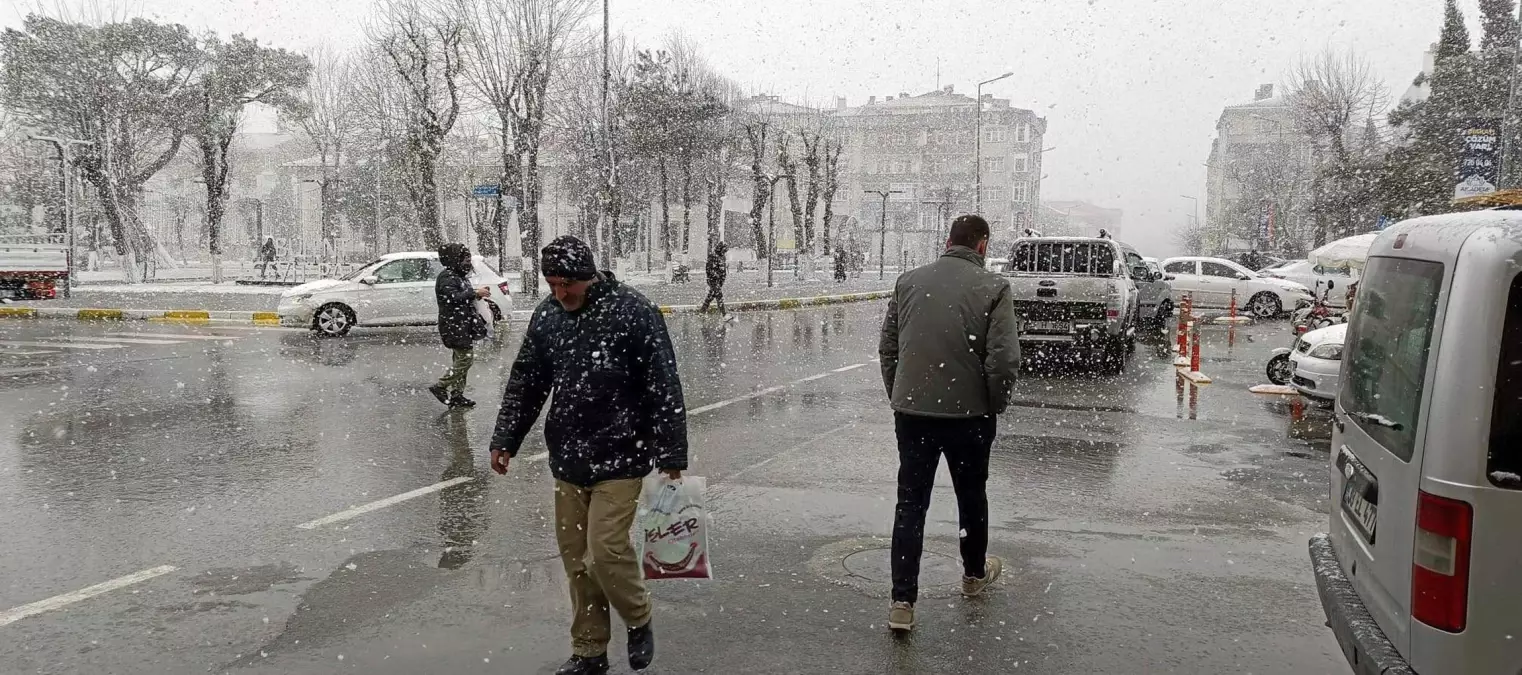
485 191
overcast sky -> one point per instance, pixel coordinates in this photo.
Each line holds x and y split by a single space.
1131 89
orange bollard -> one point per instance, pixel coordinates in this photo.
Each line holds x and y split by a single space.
1232 311
1183 334
1194 359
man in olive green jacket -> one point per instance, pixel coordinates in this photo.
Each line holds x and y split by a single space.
950 353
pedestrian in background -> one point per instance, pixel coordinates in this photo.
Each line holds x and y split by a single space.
717 269
266 255
460 325
602 348
950 353
840 264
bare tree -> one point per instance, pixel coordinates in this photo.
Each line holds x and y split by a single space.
330 117
422 45
831 152
1190 238
1333 96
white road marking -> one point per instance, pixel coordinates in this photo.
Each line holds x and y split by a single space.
125 341
20 352
182 336
59 601
541 456
60 345
257 328
372 506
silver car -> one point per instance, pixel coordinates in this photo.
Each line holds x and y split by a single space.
1155 293
1418 569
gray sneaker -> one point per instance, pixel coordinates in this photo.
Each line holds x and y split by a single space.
901 616
973 586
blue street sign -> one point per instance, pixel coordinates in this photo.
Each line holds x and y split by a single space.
1383 222
485 191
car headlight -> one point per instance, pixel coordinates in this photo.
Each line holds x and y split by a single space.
1331 352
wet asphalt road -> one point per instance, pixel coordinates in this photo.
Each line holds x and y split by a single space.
1147 527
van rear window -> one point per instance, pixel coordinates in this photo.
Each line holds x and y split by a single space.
1064 257
1505 464
1387 345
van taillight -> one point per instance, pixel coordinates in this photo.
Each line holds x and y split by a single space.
1112 313
1440 562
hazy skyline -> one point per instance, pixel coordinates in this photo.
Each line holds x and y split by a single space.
1131 90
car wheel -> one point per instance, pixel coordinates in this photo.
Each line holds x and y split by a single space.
1280 370
333 320
1265 305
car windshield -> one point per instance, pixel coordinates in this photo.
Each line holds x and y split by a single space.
360 271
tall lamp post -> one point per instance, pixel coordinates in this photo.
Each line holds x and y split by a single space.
1196 214
882 238
65 160
771 225
977 160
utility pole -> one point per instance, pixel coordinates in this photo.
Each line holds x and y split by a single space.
882 237
611 186
941 205
771 225
65 170
1508 119
977 160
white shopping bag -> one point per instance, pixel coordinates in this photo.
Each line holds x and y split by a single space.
484 310
673 529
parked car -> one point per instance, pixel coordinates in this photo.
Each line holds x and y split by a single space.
1078 293
1155 293
395 290
1315 277
33 266
1418 569
1317 360
1210 282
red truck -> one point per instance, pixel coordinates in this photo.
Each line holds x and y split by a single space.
33 266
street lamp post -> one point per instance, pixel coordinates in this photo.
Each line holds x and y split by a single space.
771 225
882 237
1196 214
977 160
65 159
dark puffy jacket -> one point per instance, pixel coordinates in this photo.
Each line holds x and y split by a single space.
618 409
717 269
460 325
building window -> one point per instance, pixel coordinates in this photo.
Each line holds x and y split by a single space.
1022 162
993 165
1022 192
995 135
994 194
1023 132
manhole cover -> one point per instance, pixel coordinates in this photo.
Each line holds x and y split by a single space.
936 569
863 564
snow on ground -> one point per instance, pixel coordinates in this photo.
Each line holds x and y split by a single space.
227 288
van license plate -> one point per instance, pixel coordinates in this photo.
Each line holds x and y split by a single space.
1048 326
1360 495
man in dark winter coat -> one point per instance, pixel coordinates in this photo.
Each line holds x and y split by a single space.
460 325
840 264
602 348
718 269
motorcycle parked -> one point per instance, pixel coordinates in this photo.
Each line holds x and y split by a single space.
1317 314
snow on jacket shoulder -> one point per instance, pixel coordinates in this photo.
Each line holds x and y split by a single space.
949 345
618 408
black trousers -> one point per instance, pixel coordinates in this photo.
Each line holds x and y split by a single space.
714 293
921 442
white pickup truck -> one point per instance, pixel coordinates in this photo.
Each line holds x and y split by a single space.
1077 293
33 266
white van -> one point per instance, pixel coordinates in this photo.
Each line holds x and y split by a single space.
1421 570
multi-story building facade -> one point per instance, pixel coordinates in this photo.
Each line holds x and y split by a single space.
925 148
1258 182
1077 218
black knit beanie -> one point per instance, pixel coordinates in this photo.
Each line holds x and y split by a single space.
568 257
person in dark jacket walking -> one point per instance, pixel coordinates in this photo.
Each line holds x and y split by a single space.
950 352
717 269
840 264
266 255
460 325
602 348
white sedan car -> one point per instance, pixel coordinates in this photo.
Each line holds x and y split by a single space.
1317 360
1316 277
396 290
1210 282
